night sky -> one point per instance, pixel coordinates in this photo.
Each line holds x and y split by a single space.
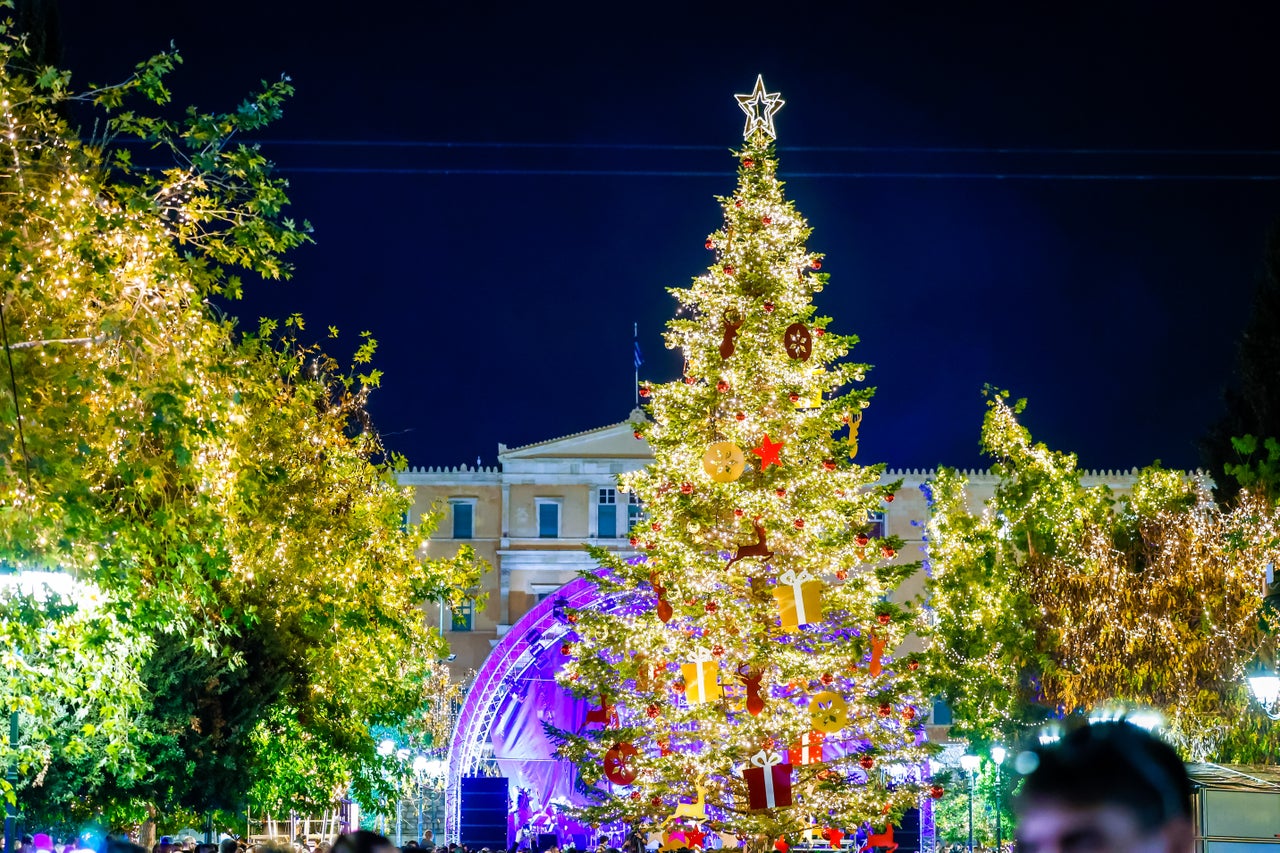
500 190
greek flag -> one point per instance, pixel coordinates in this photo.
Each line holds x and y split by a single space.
639 357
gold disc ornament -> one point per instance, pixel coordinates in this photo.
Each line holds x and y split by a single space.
724 461
828 712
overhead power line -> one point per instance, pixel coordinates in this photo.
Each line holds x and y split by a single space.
662 173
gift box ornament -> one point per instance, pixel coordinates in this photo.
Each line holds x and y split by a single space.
808 750
799 599
702 678
768 781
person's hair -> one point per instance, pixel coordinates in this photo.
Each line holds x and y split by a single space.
360 841
228 845
1113 763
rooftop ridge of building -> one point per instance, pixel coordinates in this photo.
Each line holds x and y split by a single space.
502 448
454 469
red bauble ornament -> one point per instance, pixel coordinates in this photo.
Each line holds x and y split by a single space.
888 498
828 678
648 546
635 795
841 574
738 203
619 764
571 618
717 651
653 711
738 513
829 464
722 386
885 709
656 526
729 270
689 380
712 607
799 523
748 163
867 762
710 245
767 220
819 332
862 539
780 492
913 665
908 713
795 398
768 307
742 416
637 434
888 552
937 792
686 488
566 648
884 618
644 391
655 802
633 540
817 264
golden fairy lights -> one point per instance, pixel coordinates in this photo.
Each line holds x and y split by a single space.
1154 599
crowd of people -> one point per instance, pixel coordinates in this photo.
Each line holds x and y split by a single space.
1106 788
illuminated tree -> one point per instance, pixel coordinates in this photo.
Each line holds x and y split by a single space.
221 497
1057 598
755 617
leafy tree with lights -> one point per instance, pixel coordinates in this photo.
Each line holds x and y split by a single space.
743 673
1055 597
247 580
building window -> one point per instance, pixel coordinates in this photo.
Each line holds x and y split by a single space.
461 617
464 518
607 514
877 524
941 712
548 517
635 510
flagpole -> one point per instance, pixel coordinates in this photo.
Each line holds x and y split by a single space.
635 333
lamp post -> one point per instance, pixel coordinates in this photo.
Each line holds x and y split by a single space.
970 764
998 755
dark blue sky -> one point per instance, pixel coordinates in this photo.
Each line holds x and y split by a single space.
504 302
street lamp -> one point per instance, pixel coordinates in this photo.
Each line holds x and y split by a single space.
970 764
998 755
1265 687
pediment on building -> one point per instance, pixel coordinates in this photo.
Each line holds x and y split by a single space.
616 441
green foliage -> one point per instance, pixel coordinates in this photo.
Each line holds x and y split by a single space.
1054 596
249 591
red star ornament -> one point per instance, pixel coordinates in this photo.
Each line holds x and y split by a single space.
768 452
693 838
833 835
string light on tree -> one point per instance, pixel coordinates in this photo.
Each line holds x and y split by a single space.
749 622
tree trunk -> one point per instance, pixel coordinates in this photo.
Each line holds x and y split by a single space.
147 832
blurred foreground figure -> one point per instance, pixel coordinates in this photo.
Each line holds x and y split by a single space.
362 841
1106 788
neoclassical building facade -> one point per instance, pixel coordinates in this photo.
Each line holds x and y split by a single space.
532 516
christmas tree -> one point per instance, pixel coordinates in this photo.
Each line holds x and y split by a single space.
742 666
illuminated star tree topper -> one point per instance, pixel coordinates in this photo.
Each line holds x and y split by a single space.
760 107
